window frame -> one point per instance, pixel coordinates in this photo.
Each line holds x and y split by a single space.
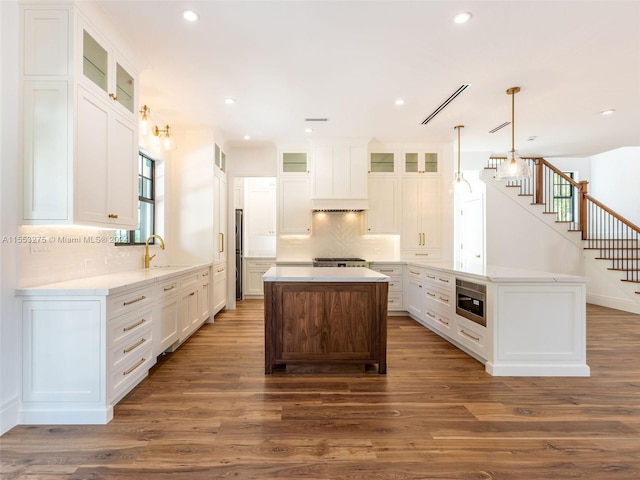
564 205
130 235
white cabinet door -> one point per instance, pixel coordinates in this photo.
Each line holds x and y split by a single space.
220 214
294 205
323 172
123 173
204 296
169 314
421 217
383 214
340 172
219 288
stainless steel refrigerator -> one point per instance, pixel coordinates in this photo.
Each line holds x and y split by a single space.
238 235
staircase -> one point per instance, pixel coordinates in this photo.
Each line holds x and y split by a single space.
606 235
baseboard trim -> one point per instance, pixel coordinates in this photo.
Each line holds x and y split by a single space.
617 303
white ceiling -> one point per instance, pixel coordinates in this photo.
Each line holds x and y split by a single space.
284 61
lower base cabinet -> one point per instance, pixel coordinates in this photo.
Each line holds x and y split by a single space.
219 288
83 353
254 270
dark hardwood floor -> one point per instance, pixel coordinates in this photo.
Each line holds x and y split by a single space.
208 411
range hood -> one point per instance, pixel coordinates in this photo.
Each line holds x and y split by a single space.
339 204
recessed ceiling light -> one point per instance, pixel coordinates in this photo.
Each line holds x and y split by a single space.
190 16
308 130
607 112
462 17
229 101
247 137
399 101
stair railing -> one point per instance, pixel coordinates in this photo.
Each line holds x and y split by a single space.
615 237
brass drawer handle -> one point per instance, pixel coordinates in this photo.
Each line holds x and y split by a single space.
205 274
166 289
135 345
432 277
444 299
131 327
431 315
445 280
413 272
444 322
141 297
140 362
422 254
431 294
477 339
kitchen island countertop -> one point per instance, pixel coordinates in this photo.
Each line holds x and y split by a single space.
323 274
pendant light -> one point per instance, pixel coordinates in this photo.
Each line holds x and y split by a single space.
459 184
513 168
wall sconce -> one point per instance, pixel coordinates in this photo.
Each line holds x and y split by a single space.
163 132
144 119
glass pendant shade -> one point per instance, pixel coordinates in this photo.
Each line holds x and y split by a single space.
459 184
513 168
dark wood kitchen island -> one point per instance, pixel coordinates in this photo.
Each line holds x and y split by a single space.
325 315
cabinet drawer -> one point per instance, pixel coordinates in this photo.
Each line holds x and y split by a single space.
130 325
189 280
129 372
414 272
437 296
439 321
395 285
390 270
130 347
219 271
441 279
129 301
167 289
204 275
394 302
472 336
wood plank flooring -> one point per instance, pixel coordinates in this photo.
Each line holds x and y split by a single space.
208 411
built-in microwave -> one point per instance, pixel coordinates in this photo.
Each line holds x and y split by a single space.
471 301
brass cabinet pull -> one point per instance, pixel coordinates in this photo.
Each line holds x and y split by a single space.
444 299
140 362
422 254
477 339
192 294
220 270
431 315
166 289
113 96
113 215
135 345
431 294
131 327
444 322
445 280
432 277
221 242
413 272
205 274
141 297
383 270
205 285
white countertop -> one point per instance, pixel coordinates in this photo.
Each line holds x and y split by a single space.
323 274
111 283
498 274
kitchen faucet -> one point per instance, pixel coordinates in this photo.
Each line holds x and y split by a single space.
147 258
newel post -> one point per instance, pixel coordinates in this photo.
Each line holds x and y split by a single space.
539 198
583 208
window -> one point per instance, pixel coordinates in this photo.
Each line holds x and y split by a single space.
563 199
146 205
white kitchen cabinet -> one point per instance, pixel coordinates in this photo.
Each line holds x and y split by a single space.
294 205
395 297
254 270
204 295
416 298
382 163
220 216
79 139
167 299
339 173
260 216
419 161
383 215
189 316
219 296
421 217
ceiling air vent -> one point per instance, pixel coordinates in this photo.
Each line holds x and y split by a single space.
453 96
499 127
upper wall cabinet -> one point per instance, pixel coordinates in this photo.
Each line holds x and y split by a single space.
80 133
419 161
340 173
382 162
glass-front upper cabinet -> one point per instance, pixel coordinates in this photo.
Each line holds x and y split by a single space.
109 75
420 162
294 162
382 163
220 158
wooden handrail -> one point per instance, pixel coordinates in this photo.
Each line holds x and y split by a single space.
559 172
616 215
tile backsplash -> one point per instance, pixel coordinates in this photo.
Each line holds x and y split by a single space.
55 254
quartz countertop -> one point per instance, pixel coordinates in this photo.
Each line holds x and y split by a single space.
111 283
323 274
498 274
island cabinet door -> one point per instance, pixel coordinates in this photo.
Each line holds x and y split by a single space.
325 323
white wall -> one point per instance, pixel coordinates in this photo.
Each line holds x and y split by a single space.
614 181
